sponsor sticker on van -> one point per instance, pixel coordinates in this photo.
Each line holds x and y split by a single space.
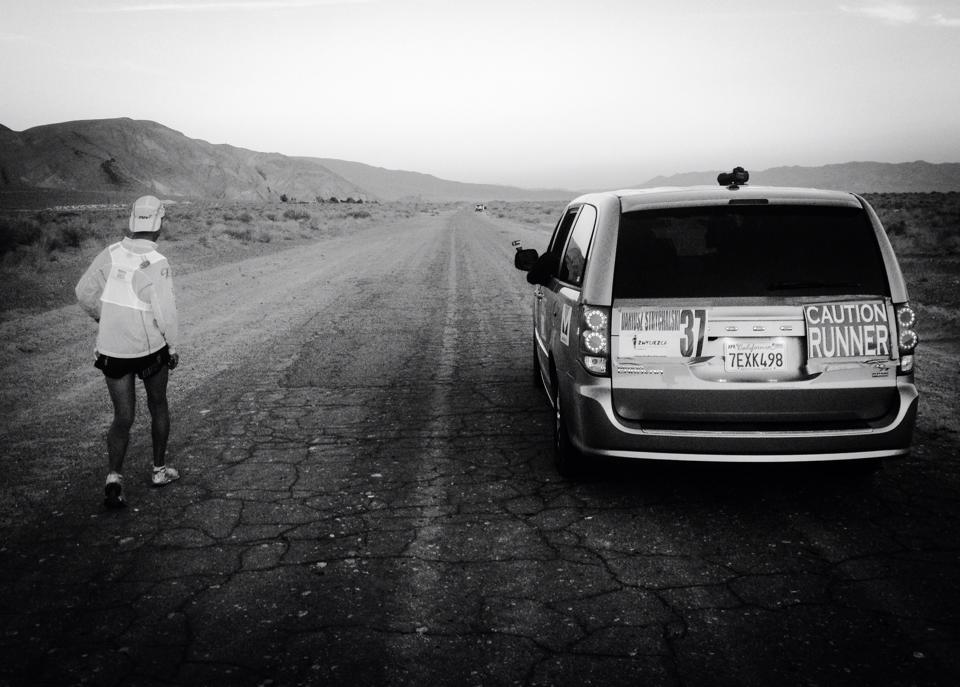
662 332
847 330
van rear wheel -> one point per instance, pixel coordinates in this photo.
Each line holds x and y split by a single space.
861 467
537 379
567 459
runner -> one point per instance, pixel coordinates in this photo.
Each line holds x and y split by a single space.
128 290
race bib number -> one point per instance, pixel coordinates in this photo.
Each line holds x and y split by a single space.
662 332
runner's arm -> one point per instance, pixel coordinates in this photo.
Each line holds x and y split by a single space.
159 292
90 287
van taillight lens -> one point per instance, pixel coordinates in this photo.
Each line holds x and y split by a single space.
595 339
907 337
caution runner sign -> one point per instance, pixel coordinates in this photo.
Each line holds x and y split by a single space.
847 330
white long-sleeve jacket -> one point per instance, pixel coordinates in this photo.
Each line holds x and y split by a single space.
129 289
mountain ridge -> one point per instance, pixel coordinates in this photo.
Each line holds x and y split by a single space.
142 156
123 157
857 177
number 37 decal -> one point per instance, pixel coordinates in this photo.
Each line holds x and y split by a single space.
693 325
662 332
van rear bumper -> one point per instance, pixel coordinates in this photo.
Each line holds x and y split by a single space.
596 429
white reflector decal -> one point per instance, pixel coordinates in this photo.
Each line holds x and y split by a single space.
565 324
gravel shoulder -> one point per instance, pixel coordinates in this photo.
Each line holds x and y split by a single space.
53 403
54 409
369 498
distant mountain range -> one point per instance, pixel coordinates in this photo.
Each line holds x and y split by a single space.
125 156
390 184
859 177
117 158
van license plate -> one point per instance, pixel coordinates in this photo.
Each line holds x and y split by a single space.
753 355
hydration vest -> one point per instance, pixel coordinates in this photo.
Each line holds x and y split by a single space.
123 265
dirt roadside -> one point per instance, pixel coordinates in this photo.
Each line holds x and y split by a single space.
53 405
52 401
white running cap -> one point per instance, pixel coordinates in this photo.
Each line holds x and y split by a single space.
146 214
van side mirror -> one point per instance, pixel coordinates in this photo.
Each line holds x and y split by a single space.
542 270
525 258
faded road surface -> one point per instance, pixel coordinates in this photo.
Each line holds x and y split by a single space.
368 498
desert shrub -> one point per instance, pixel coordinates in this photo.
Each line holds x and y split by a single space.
272 216
262 234
245 217
356 214
920 223
49 241
288 230
951 244
173 230
72 235
46 233
244 233
293 213
16 232
896 228
34 254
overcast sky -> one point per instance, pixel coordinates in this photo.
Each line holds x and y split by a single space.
538 94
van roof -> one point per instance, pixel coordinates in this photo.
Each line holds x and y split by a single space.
687 196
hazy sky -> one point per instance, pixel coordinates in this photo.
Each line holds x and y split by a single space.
536 94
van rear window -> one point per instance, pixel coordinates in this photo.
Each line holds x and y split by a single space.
747 250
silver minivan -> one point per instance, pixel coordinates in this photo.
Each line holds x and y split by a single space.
723 323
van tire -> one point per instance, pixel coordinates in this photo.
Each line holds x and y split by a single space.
861 467
566 458
537 378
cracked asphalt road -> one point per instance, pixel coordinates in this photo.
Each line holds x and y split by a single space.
368 498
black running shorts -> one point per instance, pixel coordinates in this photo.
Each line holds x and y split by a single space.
144 367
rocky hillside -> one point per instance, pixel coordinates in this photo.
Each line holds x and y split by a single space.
115 158
390 184
124 155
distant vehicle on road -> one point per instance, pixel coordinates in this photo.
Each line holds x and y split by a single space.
479 207
723 323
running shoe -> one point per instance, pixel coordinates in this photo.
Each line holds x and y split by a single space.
164 475
113 491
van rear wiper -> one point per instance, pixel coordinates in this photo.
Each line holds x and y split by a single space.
797 285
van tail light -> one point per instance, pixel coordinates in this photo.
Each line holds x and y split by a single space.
907 338
595 339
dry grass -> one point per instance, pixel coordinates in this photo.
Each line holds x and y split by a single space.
44 252
540 215
924 229
920 223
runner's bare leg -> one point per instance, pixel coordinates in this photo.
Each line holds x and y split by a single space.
156 387
122 393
